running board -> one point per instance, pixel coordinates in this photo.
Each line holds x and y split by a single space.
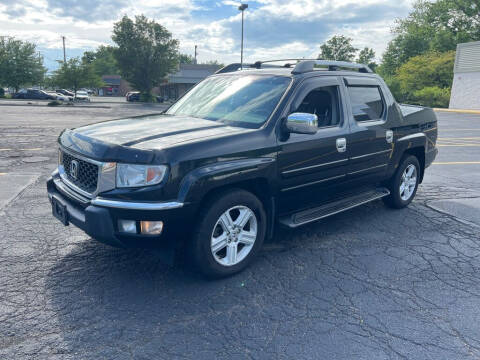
332 208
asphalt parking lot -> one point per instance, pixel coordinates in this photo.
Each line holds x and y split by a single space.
370 283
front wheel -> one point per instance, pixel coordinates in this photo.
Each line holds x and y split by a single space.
229 234
404 184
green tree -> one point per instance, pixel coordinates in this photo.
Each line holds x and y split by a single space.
425 79
431 26
76 74
146 52
20 63
186 59
214 62
102 60
367 56
339 48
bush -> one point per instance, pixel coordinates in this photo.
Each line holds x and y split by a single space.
2 92
424 80
432 96
431 69
394 86
148 98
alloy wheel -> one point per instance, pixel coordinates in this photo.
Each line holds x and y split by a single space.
234 235
408 182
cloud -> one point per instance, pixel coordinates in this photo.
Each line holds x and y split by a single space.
273 28
15 11
88 10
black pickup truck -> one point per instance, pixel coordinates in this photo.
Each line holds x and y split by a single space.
241 154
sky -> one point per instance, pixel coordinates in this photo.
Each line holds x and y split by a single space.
274 29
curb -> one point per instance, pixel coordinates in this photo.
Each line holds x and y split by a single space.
458 111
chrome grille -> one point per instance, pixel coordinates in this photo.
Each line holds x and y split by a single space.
86 173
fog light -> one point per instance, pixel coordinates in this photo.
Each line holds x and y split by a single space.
128 226
151 227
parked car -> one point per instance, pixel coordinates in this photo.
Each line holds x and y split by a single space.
133 96
65 92
240 154
60 97
81 96
34 94
88 91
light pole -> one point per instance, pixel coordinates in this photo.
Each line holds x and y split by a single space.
242 8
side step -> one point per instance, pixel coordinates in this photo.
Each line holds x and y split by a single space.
332 208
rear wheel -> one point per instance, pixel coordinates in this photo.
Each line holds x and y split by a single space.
229 234
404 184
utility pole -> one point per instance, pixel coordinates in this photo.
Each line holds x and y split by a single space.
195 54
242 8
64 54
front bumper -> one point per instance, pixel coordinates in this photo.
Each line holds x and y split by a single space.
98 217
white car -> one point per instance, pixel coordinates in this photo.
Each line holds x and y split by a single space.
81 95
60 97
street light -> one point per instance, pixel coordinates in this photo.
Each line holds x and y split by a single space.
242 8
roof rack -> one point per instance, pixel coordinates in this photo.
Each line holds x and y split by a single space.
300 65
309 65
229 68
258 64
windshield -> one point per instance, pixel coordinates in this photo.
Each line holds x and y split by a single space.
239 100
81 93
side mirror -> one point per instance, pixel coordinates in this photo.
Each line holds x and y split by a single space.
302 123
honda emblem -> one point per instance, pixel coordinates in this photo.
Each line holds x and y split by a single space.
74 169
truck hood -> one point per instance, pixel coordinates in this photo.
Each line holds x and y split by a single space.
151 132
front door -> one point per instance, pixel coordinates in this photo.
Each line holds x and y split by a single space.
312 166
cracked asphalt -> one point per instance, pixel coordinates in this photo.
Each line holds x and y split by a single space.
370 283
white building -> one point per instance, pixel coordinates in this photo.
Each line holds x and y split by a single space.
466 77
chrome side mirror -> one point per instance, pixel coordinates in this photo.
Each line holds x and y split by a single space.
302 123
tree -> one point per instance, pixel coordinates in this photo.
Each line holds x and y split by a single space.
214 62
431 26
425 79
186 59
19 63
75 74
102 60
367 57
339 48
146 52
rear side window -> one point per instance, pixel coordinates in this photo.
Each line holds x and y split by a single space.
367 102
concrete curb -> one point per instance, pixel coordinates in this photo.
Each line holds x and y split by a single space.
458 111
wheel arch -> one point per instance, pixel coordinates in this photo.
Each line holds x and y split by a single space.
260 187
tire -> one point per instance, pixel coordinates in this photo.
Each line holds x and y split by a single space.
242 241
402 192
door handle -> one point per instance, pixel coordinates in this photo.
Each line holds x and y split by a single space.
389 136
341 145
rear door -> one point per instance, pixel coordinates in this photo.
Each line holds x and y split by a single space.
309 164
370 139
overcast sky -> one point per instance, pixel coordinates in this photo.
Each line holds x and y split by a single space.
273 28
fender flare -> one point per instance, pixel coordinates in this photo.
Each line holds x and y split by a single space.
200 181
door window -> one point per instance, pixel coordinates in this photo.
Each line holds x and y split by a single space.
367 102
323 102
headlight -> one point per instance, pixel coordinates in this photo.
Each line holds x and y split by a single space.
129 175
